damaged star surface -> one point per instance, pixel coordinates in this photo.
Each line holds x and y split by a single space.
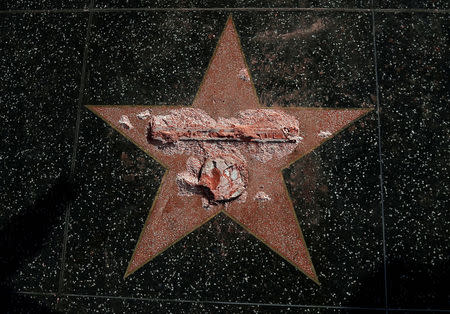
265 209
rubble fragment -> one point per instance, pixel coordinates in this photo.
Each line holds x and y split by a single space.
264 133
220 178
262 196
187 184
243 75
224 177
193 166
144 114
324 134
125 122
262 125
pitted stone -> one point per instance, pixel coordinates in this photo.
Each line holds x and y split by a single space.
224 177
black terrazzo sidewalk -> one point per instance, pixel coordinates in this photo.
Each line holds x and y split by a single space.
372 202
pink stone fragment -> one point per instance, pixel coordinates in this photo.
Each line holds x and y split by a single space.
224 177
144 114
243 75
125 122
324 134
260 125
262 196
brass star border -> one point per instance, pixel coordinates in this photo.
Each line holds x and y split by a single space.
226 89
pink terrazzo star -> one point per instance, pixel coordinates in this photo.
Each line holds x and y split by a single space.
224 154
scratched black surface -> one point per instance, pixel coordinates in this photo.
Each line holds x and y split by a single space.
44 4
233 4
413 53
411 4
318 58
40 64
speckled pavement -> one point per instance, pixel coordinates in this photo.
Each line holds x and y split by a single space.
371 201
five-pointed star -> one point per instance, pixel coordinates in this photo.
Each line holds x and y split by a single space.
223 93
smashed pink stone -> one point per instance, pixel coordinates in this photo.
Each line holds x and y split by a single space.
243 75
144 114
224 177
124 121
260 125
262 196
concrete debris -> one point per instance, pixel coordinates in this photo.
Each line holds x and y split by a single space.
243 75
324 134
265 133
261 125
262 196
224 178
221 178
125 122
144 115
